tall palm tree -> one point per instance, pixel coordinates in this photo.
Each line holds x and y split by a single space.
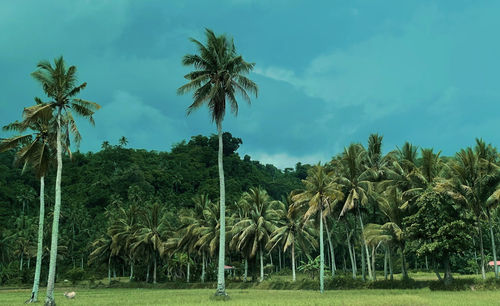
219 75
292 230
38 150
60 85
320 191
356 181
253 233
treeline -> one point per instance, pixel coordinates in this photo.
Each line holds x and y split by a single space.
96 185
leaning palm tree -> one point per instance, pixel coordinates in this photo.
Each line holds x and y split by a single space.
293 230
60 85
219 75
37 150
320 191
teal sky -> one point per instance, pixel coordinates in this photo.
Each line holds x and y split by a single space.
329 72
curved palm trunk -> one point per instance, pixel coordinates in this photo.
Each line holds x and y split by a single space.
38 267
293 261
321 257
55 223
493 247
365 247
221 287
332 253
483 272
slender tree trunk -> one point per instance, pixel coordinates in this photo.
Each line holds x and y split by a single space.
332 252
188 270
373 264
154 269
353 264
321 256
447 271
279 257
203 267
109 269
246 270
365 246
261 265
221 287
131 270
363 262
493 247
81 263
114 271
55 222
29 261
483 272
403 263
390 264
426 264
147 273
475 255
21 263
293 262
385 264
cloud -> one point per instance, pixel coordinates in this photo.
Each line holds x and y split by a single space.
285 160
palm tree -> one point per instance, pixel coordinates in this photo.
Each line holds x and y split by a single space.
473 178
151 234
122 141
60 85
356 181
292 230
253 232
37 150
320 191
102 251
219 75
208 241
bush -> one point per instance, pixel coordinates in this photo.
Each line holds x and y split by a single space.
75 275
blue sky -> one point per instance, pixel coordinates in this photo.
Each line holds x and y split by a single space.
329 72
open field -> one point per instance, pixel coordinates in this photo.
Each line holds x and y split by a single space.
261 297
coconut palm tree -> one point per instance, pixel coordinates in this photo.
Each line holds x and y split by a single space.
219 75
151 234
292 230
37 149
356 181
123 141
253 232
102 252
60 85
472 180
320 191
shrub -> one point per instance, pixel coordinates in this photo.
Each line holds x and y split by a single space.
75 275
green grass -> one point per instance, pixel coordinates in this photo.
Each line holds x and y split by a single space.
261 297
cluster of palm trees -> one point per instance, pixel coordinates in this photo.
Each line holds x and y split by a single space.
48 126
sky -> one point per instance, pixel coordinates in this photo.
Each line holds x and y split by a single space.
329 72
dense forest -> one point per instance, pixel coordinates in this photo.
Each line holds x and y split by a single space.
152 216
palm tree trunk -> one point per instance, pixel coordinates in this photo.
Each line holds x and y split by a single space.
131 270
109 269
481 248
261 264
246 270
147 273
365 246
426 264
373 263
154 269
493 247
321 256
293 262
55 222
114 271
21 263
279 257
203 267
221 287
332 253
29 261
188 270
353 263
403 263
385 264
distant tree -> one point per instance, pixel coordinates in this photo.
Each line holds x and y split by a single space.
219 75
122 142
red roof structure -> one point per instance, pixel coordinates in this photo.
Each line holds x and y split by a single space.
231 267
492 263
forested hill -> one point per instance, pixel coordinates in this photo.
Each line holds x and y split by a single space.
92 181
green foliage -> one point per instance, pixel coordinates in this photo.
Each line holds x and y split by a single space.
75 275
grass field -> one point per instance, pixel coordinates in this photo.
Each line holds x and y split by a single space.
261 297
